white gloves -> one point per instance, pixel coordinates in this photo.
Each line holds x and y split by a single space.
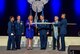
12 34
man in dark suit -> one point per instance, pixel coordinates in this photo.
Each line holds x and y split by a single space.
19 27
11 34
43 32
63 31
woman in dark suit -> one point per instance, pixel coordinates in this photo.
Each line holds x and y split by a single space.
29 32
11 33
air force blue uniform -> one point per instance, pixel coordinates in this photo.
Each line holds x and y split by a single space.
63 32
43 34
11 37
19 28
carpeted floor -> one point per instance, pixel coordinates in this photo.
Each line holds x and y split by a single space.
34 51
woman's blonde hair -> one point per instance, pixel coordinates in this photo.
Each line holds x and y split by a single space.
29 16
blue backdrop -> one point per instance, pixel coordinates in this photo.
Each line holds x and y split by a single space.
53 7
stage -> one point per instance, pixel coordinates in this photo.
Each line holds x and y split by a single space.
34 51
36 45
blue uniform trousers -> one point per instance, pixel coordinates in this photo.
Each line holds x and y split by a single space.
18 41
43 40
11 42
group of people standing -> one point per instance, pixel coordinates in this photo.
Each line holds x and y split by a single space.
16 30
59 30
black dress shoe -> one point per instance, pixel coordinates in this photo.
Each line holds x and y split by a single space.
18 48
61 50
14 49
43 48
8 49
53 48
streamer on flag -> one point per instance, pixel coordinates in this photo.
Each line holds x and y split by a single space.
36 16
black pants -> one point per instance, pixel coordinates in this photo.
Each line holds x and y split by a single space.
18 41
43 41
62 41
54 43
11 42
